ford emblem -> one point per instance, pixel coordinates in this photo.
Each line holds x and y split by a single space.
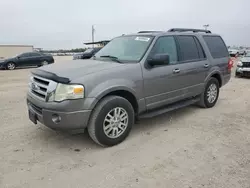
34 86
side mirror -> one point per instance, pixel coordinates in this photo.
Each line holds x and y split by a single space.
159 59
18 57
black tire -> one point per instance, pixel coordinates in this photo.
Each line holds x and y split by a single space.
95 128
237 75
9 67
204 102
43 63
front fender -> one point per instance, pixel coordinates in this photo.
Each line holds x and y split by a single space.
108 86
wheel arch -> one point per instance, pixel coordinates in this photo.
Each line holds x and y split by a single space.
10 62
217 75
121 91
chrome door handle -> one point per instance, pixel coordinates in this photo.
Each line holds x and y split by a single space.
206 65
176 71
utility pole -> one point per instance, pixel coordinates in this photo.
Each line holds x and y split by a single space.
206 26
93 35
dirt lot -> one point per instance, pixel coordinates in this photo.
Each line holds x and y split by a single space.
191 147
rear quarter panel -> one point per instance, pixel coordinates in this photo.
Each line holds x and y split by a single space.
49 58
217 65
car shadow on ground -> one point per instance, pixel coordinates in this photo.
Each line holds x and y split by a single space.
20 68
79 142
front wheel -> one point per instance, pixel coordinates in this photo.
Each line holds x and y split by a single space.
10 66
111 121
211 93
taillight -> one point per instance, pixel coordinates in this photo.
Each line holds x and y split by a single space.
230 64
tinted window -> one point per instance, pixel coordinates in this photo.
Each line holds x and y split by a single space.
216 46
34 54
24 55
88 50
188 48
200 49
166 45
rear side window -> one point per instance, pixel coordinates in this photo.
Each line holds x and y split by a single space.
200 49
34 54
188 48
216 46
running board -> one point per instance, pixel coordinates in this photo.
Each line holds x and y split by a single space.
169 108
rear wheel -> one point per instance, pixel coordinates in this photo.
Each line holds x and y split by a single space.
10 66
44 63
111 121
211 93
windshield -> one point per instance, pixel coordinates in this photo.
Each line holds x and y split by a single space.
88 50
126 48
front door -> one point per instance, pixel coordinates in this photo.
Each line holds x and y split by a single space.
24 60
163 84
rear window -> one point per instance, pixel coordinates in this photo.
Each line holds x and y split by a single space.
216 46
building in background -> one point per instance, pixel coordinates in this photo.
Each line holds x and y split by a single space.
7 51
38 49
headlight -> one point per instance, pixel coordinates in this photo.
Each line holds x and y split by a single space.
239 64
64 92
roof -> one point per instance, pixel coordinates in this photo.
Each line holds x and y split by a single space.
174 31
15 45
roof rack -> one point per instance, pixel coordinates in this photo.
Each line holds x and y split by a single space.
186 30
149 31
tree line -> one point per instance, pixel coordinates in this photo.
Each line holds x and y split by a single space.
76 50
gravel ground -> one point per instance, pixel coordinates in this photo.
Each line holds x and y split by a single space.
190 147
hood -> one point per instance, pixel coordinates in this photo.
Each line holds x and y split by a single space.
245 59
8 59
75 69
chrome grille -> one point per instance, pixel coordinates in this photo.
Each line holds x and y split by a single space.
246 64
41 87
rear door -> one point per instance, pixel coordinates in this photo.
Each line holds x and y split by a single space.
193 65
35 59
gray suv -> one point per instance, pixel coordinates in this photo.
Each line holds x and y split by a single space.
134 76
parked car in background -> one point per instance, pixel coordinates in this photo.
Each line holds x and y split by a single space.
242 52
26 60
243 66
134 76
233 52
86 54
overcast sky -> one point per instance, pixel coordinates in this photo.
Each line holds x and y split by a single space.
53 24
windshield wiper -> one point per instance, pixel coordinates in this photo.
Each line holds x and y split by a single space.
116 59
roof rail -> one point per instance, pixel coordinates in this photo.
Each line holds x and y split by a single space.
149 31
186 30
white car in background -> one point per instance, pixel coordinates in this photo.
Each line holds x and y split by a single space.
233 52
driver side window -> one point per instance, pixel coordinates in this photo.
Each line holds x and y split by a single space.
166 45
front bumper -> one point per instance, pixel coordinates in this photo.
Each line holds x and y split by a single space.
2 66
243 71
66 116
